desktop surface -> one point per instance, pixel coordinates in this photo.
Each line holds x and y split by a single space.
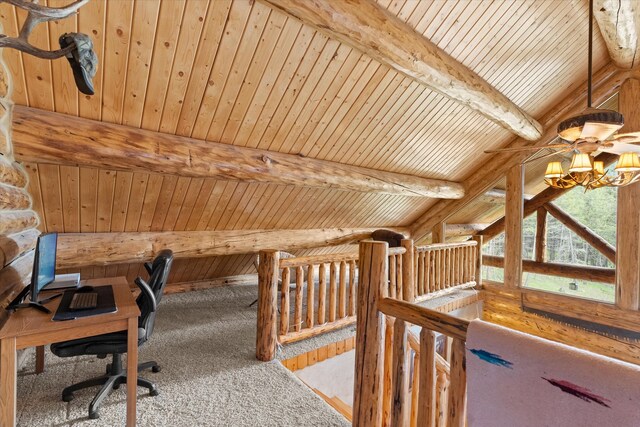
31 326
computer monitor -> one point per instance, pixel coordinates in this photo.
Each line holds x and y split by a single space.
44 264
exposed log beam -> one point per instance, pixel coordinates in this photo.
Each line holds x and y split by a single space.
606 81
601 245
596 274
461 230
532 205
370 28
38 137
82 249
494 196
619 22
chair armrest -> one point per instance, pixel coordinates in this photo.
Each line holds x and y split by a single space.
147 292
149 267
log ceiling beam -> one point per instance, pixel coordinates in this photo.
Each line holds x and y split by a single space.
606 83
371 29
41 136
619 22
84 249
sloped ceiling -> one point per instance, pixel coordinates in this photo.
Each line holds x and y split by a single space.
240 73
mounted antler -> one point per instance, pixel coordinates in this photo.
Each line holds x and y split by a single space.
76 47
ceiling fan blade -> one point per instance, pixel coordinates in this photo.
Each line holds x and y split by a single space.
629 137
555 153
599 131
507 150
621 147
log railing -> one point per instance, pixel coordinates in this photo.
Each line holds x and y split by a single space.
374 309
444 267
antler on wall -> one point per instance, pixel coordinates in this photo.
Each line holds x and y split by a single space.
77 48
35 15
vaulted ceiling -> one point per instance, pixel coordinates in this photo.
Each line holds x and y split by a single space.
240 73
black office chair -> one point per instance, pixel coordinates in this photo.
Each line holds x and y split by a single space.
116 343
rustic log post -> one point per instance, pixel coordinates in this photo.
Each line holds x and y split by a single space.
427 386
438 233
400 376
628 222
266 335
541 235
367 394
513 227
458 385
477 273
408 260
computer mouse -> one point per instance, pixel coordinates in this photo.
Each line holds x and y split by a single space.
83 289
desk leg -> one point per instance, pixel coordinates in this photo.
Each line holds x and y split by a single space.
132 371
8 376
39 359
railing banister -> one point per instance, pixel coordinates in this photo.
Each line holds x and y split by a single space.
367 396
408 260
427 385
266 334
400 378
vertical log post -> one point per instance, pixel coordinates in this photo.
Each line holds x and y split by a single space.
408 260
400 378
367 393
628 221
311 290
427 386
477 271
267 293
438 233
541 235
514 207
457 385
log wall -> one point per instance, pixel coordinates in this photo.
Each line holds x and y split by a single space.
18 234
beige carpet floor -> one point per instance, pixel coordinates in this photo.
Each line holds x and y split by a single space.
205 342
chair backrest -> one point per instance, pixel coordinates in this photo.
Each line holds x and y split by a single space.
151 292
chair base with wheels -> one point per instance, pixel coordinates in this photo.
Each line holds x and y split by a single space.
115 376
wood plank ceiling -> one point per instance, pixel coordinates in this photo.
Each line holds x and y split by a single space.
240 73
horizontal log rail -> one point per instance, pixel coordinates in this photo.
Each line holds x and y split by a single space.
594 274
318 259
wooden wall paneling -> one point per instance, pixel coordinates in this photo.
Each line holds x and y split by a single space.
192 75
117 43
70 186
333 59
289 88
88 199
164 201
237 18
142 41
51 197
64 86
238 94
92 22
124 181
170 19
149 206
105 198
222 204
179 195
245 115
262 206
201 201
210 205
36 194
202 17
38 75
136 200
229 209
188 203
248 208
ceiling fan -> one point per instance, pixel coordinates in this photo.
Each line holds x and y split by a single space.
588 134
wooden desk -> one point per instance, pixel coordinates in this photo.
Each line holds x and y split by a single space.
30 328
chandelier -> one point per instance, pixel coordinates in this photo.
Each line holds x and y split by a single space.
591 174
593 131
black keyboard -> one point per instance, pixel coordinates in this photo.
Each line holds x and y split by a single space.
84 301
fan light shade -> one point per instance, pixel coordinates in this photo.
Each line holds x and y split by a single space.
554 170
581 163
598 168
628 162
